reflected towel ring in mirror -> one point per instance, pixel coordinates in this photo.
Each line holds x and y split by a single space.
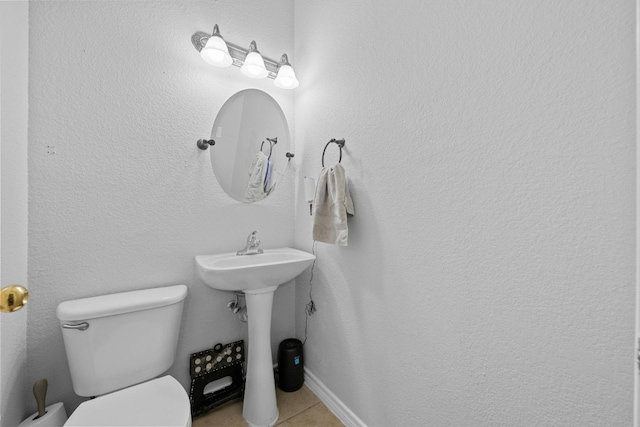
339 143
272 142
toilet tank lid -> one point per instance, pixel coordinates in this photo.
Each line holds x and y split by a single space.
120 303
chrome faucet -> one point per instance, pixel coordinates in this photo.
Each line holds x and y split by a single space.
253 245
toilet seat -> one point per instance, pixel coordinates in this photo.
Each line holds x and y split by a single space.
159 402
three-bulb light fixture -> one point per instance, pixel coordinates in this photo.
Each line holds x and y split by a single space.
215 51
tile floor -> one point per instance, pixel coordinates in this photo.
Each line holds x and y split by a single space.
301 408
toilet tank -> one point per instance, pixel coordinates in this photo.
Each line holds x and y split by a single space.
131 337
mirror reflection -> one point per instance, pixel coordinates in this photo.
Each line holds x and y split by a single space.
252 140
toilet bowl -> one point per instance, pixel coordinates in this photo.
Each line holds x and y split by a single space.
117 345
160 402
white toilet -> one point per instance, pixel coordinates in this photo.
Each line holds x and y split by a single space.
116 345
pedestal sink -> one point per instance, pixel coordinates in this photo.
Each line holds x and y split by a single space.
258 276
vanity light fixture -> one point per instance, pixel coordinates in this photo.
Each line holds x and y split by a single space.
253 65
286 78
216 51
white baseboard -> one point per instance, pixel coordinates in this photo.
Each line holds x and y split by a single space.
331 401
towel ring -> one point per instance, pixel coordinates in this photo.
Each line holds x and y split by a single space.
272 142
339 143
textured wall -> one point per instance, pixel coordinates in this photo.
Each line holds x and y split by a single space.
489 277
14 36
127 200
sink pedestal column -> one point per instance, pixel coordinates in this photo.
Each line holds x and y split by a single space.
260 408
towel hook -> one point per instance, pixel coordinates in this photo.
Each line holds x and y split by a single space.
339 143
203 144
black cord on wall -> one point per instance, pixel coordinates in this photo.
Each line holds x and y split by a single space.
310 308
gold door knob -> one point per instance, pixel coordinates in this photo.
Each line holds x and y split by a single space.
13 298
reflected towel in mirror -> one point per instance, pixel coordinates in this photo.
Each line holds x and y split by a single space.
267 177
257 174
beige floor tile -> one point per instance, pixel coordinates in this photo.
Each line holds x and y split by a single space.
228 415
291 404
316 416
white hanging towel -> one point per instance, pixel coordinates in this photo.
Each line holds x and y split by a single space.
257 173
332 205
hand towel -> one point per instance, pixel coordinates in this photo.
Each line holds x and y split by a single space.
257 174
333 205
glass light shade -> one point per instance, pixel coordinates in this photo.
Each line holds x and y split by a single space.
286 78
254 66
216 52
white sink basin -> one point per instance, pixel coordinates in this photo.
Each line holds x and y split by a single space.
231 272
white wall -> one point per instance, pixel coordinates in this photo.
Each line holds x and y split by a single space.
14 36
128 200
489 277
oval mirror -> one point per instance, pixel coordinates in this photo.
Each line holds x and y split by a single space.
252 140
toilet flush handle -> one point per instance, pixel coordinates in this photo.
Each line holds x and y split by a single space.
80 326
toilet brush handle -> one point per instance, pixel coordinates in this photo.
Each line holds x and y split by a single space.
40 393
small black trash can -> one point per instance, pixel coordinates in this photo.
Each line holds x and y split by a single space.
290 365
